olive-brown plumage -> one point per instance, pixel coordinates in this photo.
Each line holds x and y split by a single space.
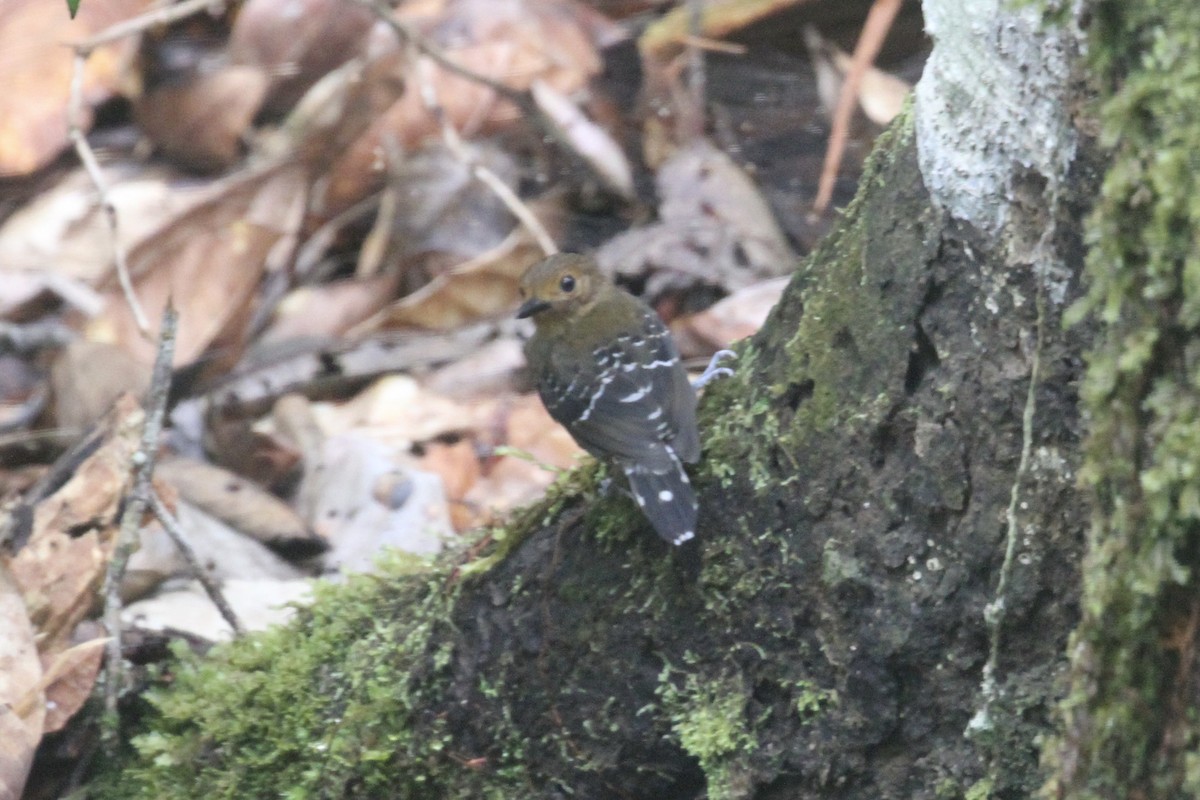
607 369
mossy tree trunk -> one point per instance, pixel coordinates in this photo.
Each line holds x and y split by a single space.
891 539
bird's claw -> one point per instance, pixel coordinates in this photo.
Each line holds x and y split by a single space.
714 369
610 488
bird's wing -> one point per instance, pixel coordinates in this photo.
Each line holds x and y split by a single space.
629 400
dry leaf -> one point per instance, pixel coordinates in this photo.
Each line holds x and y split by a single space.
28 295
667 36
297 42
880 95
331 309
513 480
362 496
435 212
22 705
335 112
457 465
588 140
714 227
482 288
511 41
445 222
210 261
268 460
68 681
258 604
61 568
531 429
201 124
35 71
398 412
241 505
733 318
64 231
87 377
486 371
223 553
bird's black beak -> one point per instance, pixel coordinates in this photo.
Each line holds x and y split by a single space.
530 307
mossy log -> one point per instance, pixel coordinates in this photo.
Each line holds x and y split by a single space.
895 508
877 462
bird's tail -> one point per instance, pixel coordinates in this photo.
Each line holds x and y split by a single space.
665 496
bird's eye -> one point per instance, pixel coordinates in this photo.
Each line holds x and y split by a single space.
567 284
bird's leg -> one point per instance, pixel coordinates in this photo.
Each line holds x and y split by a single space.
714 369
609 487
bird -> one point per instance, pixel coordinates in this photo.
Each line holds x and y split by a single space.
608 370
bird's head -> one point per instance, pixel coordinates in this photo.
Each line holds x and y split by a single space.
558 286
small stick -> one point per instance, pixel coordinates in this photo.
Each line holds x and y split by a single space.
875 30
92 167
151 19
697 78
405 33
135 508
480 172
211 588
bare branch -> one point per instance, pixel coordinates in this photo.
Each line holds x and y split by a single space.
131 520
481 173
211 588
875 30
151 19
409 37
92 167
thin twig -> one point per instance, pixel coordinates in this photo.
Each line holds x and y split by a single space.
522 98
409 37
92 167
173 529
83 50
131 520
151 19
514 204
875 30
697 80
481 173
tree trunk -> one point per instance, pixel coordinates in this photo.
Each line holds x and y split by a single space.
892 528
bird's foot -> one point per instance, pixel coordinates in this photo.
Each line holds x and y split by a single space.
714 369
610 488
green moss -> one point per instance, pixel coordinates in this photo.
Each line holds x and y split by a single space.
834 365
356 697
837 566
1125 731
708 717
980 790
811 700
332 704
579 484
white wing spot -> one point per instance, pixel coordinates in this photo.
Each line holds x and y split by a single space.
633 397
666 495
683 537
587 412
